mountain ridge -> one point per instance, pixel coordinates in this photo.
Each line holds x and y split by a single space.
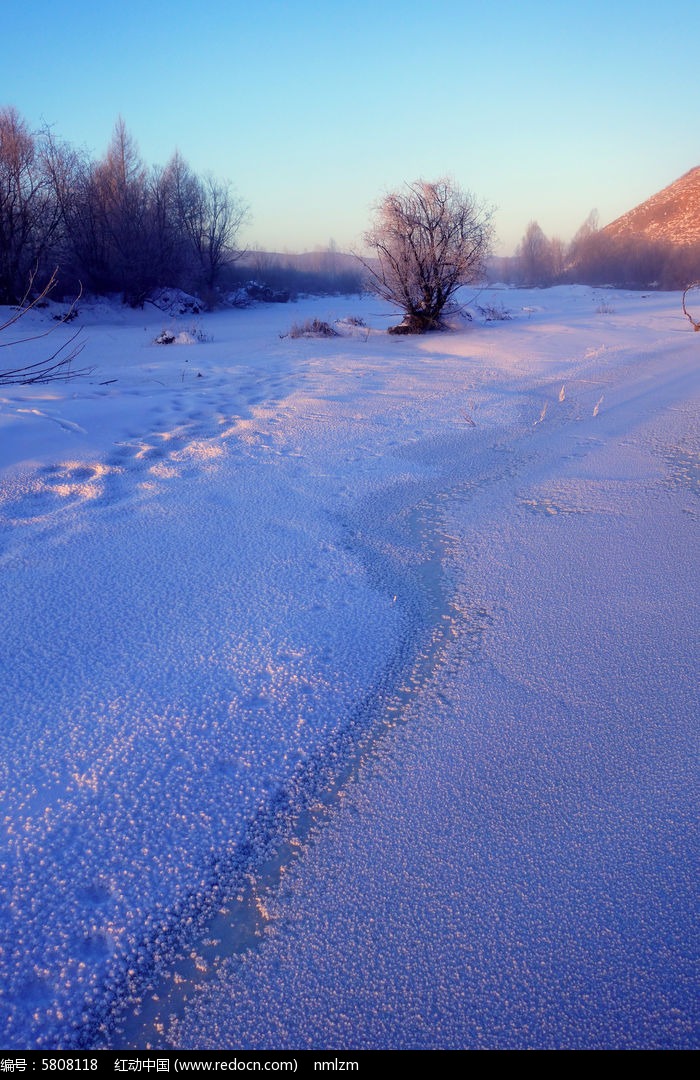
671 215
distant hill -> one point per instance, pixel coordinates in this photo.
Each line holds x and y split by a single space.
671 216
323 259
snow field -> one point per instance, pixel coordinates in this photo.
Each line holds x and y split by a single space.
212 564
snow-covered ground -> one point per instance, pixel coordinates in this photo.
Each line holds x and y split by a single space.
418 614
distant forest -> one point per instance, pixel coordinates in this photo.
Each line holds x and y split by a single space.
119 226
595 257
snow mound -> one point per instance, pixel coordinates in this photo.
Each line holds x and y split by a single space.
255 292
176 302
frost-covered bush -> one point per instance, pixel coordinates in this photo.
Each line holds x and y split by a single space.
427 240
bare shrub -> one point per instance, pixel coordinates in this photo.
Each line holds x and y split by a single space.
54 368
312 328
200 334
494 312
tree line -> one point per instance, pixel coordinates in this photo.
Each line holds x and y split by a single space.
117 225
595 257
114 224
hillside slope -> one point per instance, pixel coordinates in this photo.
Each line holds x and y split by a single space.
671 215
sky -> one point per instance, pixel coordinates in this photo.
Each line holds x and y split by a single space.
544 110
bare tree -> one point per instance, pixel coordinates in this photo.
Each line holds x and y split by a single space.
121 185
695 324
208 218
169 259
65 168
29 214
214 218
106 215
534 257
428 239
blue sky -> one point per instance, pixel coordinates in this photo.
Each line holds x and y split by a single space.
546 110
